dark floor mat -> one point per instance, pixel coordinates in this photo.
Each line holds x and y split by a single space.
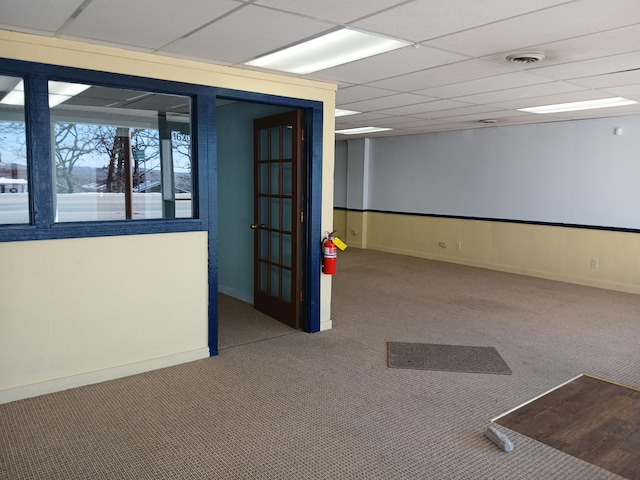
451 358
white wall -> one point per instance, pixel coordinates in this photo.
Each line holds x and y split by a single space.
575 172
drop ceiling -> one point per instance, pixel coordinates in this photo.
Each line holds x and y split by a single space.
454 76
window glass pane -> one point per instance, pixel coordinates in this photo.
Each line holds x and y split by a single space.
120 154
14 196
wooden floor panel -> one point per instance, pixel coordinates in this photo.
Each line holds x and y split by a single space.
589 418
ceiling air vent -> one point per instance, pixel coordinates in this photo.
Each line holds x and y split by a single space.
525 57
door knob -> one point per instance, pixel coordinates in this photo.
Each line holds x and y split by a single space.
255 225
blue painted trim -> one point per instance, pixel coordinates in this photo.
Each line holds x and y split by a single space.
39 154
208 182
314 214
312 200
40 173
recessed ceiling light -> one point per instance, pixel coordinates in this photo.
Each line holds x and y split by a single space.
586 105
343 113
355 131
334 48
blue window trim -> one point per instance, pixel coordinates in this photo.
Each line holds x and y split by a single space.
43 225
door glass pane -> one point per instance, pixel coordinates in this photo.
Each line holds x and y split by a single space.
287 139
275 178
275 143
275 281
286 285
264 277
264 144
286 250
264 210
287 214
275 247
14 196
264 178
264 245
287 178
275 213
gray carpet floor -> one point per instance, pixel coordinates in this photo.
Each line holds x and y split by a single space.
289 405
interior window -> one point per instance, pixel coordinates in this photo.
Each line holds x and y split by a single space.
120 154
14 195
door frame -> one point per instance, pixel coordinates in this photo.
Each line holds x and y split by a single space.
311 206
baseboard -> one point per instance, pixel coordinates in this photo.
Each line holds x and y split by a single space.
326 325
80 380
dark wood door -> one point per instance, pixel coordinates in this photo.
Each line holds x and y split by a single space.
278 216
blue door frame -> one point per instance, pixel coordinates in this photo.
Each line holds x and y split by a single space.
312 206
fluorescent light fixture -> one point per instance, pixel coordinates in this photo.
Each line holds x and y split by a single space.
334 48
59 92
343 113
586 105
356 131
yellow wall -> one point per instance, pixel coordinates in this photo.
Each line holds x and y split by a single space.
78 311
71 315
557 253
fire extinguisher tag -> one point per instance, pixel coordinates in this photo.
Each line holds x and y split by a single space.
339 243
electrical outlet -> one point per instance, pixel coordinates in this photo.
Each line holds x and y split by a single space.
443 244
354 232
594 263
458 245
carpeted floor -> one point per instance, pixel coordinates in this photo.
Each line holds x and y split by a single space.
326 406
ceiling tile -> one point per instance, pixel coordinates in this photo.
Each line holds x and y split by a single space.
631 77
444 75
462 111
489 84
37 15
602 44
358 93
389 101
571 19
421 109
391 64
553 99
596 66
137 23
425 19
533 91
246 34
337 11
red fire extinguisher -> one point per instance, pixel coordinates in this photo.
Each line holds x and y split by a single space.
329 255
